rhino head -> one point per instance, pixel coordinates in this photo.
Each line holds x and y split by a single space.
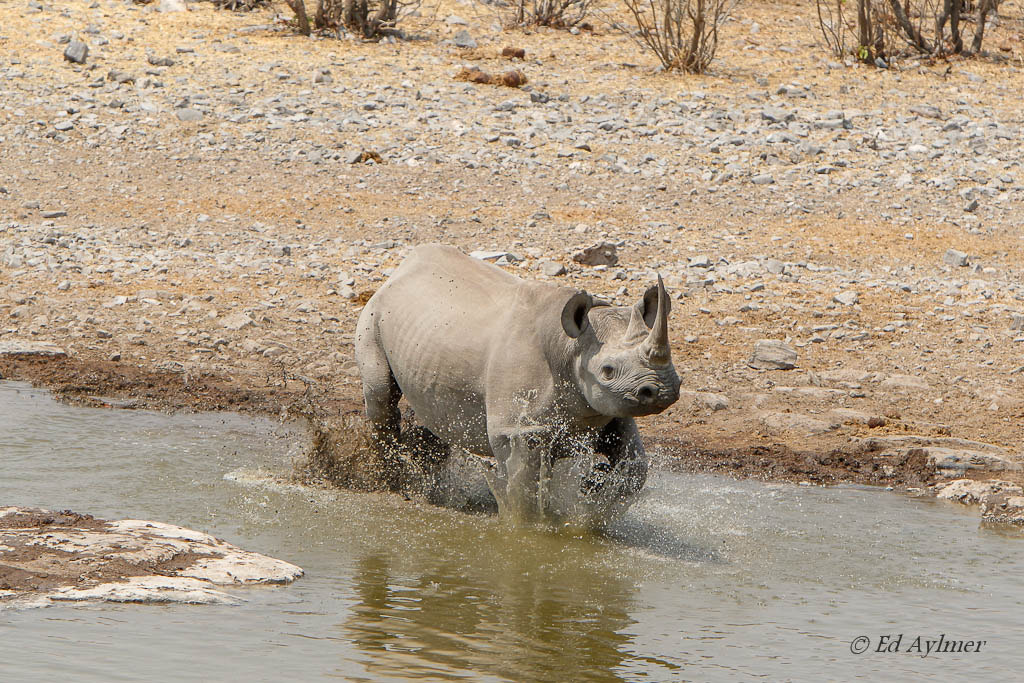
623 362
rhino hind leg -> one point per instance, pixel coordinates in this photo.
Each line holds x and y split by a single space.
381 392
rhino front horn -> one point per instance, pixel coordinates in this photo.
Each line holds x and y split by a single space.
656 345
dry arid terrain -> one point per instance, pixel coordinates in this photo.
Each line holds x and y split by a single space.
196 214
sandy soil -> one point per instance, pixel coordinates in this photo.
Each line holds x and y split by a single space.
221 263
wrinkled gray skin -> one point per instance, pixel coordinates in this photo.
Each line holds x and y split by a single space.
541 379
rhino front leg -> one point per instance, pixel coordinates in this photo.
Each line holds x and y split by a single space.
520 478
620 442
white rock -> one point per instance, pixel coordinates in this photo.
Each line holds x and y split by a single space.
772 354
237 321
796 422
172 6
169 563
16 347
969 491
905 384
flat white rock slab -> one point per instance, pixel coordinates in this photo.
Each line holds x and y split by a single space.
48 557
15 347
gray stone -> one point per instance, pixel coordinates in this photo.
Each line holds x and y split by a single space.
763 179
1003 507
772 354
847 298
57 213
926 110
712 401
1017 321
858 417
237 321
957 259
961 460
905 384
464 40
15 348
552 268
76 52
495 256
159 61
600 254
172 6
120 76
969 491
776 115
187 114
971 206
797 422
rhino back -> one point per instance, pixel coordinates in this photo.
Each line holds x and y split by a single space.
440 318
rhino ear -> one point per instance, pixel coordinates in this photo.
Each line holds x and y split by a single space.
574 314
649 305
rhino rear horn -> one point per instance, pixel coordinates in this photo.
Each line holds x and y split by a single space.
574 314
656 346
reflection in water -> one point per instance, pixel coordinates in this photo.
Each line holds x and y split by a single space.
520 616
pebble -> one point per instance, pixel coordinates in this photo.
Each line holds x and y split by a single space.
464 40
797 422
76 52
552 268
237 321
847 298
957 259
188 114
905 384
772 354
600 254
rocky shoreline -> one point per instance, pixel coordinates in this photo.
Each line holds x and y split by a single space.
195 215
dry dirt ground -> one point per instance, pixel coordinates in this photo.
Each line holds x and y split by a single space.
194 233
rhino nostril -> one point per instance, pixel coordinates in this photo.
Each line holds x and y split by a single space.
647 392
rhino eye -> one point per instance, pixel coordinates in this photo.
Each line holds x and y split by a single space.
607 372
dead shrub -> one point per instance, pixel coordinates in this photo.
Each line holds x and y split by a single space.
239 5
683 34
562 14
368 19
920 25
553 13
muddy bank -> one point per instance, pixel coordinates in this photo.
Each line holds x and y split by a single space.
873 460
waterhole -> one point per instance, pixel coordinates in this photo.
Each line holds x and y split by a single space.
705 578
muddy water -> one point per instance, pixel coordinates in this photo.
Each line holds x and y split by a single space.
706 578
